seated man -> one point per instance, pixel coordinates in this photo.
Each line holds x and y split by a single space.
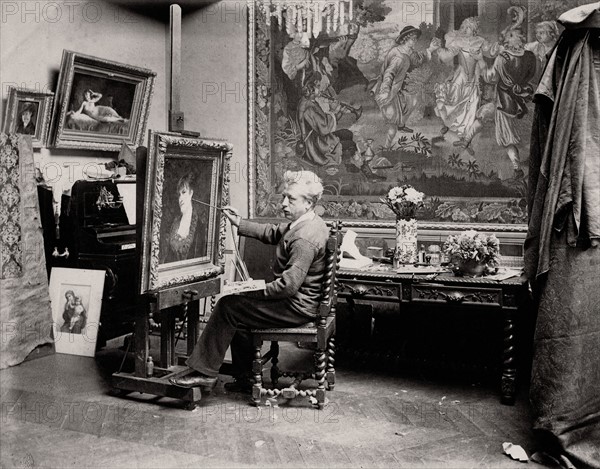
290 300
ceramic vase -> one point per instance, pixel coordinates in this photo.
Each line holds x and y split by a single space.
406 241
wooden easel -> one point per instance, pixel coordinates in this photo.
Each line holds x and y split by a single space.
168 301
165 303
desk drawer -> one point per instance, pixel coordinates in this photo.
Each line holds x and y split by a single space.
368 290
434 293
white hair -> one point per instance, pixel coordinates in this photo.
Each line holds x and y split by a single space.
309 183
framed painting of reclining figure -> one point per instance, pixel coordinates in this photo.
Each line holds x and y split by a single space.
374 94
100 103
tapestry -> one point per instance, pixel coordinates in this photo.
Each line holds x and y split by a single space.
381 93
25 315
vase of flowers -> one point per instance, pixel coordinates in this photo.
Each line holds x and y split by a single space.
472 254
404 201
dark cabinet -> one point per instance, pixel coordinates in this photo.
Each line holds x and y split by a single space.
93 232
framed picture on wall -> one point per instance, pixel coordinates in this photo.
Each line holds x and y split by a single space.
76 297
183 228
100 103
28 112
371 95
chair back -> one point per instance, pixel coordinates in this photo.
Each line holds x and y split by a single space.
327 306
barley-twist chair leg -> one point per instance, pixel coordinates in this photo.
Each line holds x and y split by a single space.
330 377
274 363
320 361
257 373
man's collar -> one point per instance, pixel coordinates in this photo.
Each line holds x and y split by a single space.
307 216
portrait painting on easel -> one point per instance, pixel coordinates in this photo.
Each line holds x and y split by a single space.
188 194
183 232
376 94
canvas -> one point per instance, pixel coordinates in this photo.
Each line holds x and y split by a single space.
183 229
28 112
100 104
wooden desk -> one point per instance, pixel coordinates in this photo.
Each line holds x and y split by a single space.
443 291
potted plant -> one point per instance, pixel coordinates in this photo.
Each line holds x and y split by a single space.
472 253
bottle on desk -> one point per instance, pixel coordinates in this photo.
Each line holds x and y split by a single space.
149 367
421 255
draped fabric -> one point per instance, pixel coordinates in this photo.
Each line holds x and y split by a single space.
562 256
25 315
565 381
564 165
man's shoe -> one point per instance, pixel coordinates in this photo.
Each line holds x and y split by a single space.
239 385
194 381
405 130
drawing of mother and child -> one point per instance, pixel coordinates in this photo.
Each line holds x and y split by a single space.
74 314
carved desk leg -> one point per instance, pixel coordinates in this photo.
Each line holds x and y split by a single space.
509 369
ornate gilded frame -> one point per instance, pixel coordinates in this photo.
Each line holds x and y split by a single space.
261 185
41 101
125 89
163 146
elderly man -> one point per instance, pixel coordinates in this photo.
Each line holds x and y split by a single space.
289 300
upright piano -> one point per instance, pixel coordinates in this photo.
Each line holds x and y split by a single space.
94 232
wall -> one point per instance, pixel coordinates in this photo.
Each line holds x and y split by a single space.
214 95
33 35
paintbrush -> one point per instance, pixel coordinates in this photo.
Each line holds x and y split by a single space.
244 270
210 205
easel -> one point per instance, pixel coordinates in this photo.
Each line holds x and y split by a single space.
165 302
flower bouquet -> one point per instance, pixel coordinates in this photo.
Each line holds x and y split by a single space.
472 253
404 201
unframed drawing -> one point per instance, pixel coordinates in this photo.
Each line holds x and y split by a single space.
76 296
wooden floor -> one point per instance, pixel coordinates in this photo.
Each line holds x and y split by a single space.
57 411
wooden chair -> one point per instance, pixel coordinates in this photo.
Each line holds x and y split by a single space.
320 334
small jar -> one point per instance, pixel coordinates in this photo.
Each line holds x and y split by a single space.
421 256
434 252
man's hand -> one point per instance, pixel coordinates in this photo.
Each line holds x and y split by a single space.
435 44
232 214
335 107
382 98
476 53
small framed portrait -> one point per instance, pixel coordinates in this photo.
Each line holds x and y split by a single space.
28 112
76 297
100 103
183 228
